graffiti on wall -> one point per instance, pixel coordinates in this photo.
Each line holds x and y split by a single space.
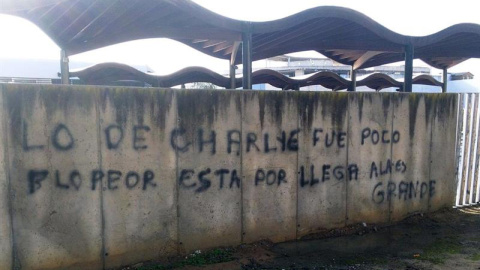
196 141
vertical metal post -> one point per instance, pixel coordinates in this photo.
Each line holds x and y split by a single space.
232 77
445 80
233 68
407 85
64 69
247 56
353 79
470 109
475 112
461 153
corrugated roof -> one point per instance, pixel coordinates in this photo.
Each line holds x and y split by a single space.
342 34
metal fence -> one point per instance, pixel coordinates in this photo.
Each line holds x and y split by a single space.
468 151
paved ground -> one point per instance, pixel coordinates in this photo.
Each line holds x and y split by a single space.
449 239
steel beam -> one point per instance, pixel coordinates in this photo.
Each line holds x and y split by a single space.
407 84
247 57
233 57
64 69
233 84
364 58
353 79
445 80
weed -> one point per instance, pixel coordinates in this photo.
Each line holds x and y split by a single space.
475 257
435 253
196 259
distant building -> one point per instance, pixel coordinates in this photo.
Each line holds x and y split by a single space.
293 66
461 76
297 66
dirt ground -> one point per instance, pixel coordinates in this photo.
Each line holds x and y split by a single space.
449 239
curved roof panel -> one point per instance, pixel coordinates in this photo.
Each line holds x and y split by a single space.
82 25
109 73
342 34
379 81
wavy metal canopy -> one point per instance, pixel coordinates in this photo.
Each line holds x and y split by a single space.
342 34
110 73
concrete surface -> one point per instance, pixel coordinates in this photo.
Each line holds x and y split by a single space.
140 209
324 140
57 219
412 116
209 177
369 147
5 217
270 186
444 110
99 177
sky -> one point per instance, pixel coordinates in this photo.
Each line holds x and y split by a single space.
165 56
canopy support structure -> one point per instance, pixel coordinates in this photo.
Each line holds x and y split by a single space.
233 56
233 85
353 79
64 69
247 56
407 85
445 80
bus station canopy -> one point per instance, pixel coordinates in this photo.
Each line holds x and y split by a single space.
341 34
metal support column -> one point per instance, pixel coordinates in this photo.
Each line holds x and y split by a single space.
353 79
64 69
407 85
247 56
232 77
233 57
445 80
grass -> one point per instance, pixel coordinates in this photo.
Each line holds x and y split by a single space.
196 259
475 257
435 253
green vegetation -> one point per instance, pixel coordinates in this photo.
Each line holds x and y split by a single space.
196 259
475 257
435 253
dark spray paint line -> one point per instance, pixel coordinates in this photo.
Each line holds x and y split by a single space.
432 121
392 108
14 263
432 125
303 122
242 183
98 97
299 118
347 179
176 199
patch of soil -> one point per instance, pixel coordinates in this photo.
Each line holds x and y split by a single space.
448 239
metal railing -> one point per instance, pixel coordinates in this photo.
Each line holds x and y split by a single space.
468 151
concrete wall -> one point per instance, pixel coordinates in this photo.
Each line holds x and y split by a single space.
97 178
